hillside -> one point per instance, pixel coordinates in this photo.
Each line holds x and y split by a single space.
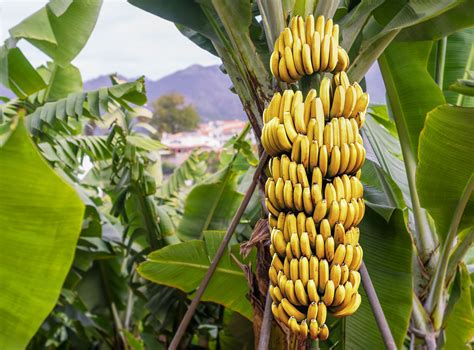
207 88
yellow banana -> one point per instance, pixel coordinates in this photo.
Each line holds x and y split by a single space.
310 129
305 245
335 128
298 197
290 64
313 329
360 156
345 157
320 24
361 104
290 294
339 295
294 326
285 103
282 316
328 27
316 51
350 216
352 307
343 136
328 136
280 184
325 95
297 99
354 278
333 215
271 208
291 224
323 160
277 294
333 54
274 58
275 311
301 29
316 194
349 255
272 274
311 230
299 118
343 210
284 165
357 258
304 329
328 296
339 255
335 33
295 245
338 102
294 269
329 248
319 246
286 267
325 229
352 158
317 177
291 310
330 193
274 107
320 211
325 51
301 293
297 57
309 30
275 167
323 332
312 291
276 263
272 195
282 282
288 195
307 202
344 273
313 269
304 148
304 266
346 182
322 313
339 234
301 223
317 111
283 71
351 137
287 37
302 176
293 173
296 151
361 204
323 274
335 274
307 105
350 101
272 221
312 310
306 58
289 127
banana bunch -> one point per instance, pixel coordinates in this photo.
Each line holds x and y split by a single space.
314 195
306 47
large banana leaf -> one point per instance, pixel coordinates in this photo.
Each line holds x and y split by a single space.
411 91
40 221
459 325
210 206
184 265
446 164
60 29
388 256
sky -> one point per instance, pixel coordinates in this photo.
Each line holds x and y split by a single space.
126 40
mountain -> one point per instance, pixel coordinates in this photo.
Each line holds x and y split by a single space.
207 88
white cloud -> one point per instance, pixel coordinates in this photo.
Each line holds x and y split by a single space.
126 40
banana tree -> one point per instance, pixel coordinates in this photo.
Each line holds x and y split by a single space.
418 179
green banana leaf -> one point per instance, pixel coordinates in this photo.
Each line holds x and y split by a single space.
17 73
459 48
184 265
63 81
210 206
446 164
459 326
40 222
450 21
56 30
411 91
388 257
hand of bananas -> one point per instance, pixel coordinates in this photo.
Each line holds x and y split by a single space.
306 47
314 195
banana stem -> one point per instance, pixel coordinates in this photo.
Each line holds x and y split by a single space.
377 309
266 328
273 20
458 253
440 61
220 252
434 302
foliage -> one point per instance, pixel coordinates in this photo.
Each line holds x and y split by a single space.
171 115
